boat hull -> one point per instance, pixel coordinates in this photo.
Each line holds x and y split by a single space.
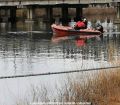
62 31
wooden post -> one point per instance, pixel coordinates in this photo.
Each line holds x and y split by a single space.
13 14
49 13
79 13
29 13
65 13
118 11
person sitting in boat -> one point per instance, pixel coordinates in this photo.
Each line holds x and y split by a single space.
99 27
81 24
86 22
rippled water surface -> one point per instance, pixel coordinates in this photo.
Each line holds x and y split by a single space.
29 48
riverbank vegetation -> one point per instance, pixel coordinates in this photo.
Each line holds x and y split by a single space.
100 88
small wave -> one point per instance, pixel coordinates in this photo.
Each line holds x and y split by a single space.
27 32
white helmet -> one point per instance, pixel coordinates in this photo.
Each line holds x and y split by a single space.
84 19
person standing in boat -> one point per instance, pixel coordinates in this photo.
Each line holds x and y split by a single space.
81 24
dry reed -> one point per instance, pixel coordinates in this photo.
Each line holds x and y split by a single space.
99 88
102 89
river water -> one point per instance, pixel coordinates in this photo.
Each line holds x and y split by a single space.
29 48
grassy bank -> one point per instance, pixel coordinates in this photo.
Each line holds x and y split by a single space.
101 88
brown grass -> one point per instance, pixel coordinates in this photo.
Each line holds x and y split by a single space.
103 89
100 88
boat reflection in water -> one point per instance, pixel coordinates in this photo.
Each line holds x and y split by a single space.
80 40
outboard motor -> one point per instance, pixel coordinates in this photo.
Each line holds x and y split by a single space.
99 28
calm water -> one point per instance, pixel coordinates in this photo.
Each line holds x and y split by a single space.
29 48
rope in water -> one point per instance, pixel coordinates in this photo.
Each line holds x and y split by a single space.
61 72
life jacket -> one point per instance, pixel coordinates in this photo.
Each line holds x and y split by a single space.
80 24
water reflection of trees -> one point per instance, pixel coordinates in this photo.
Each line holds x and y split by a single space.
106 49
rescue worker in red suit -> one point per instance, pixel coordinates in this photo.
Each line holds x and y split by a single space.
82 24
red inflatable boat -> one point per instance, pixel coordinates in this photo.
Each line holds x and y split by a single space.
62 31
